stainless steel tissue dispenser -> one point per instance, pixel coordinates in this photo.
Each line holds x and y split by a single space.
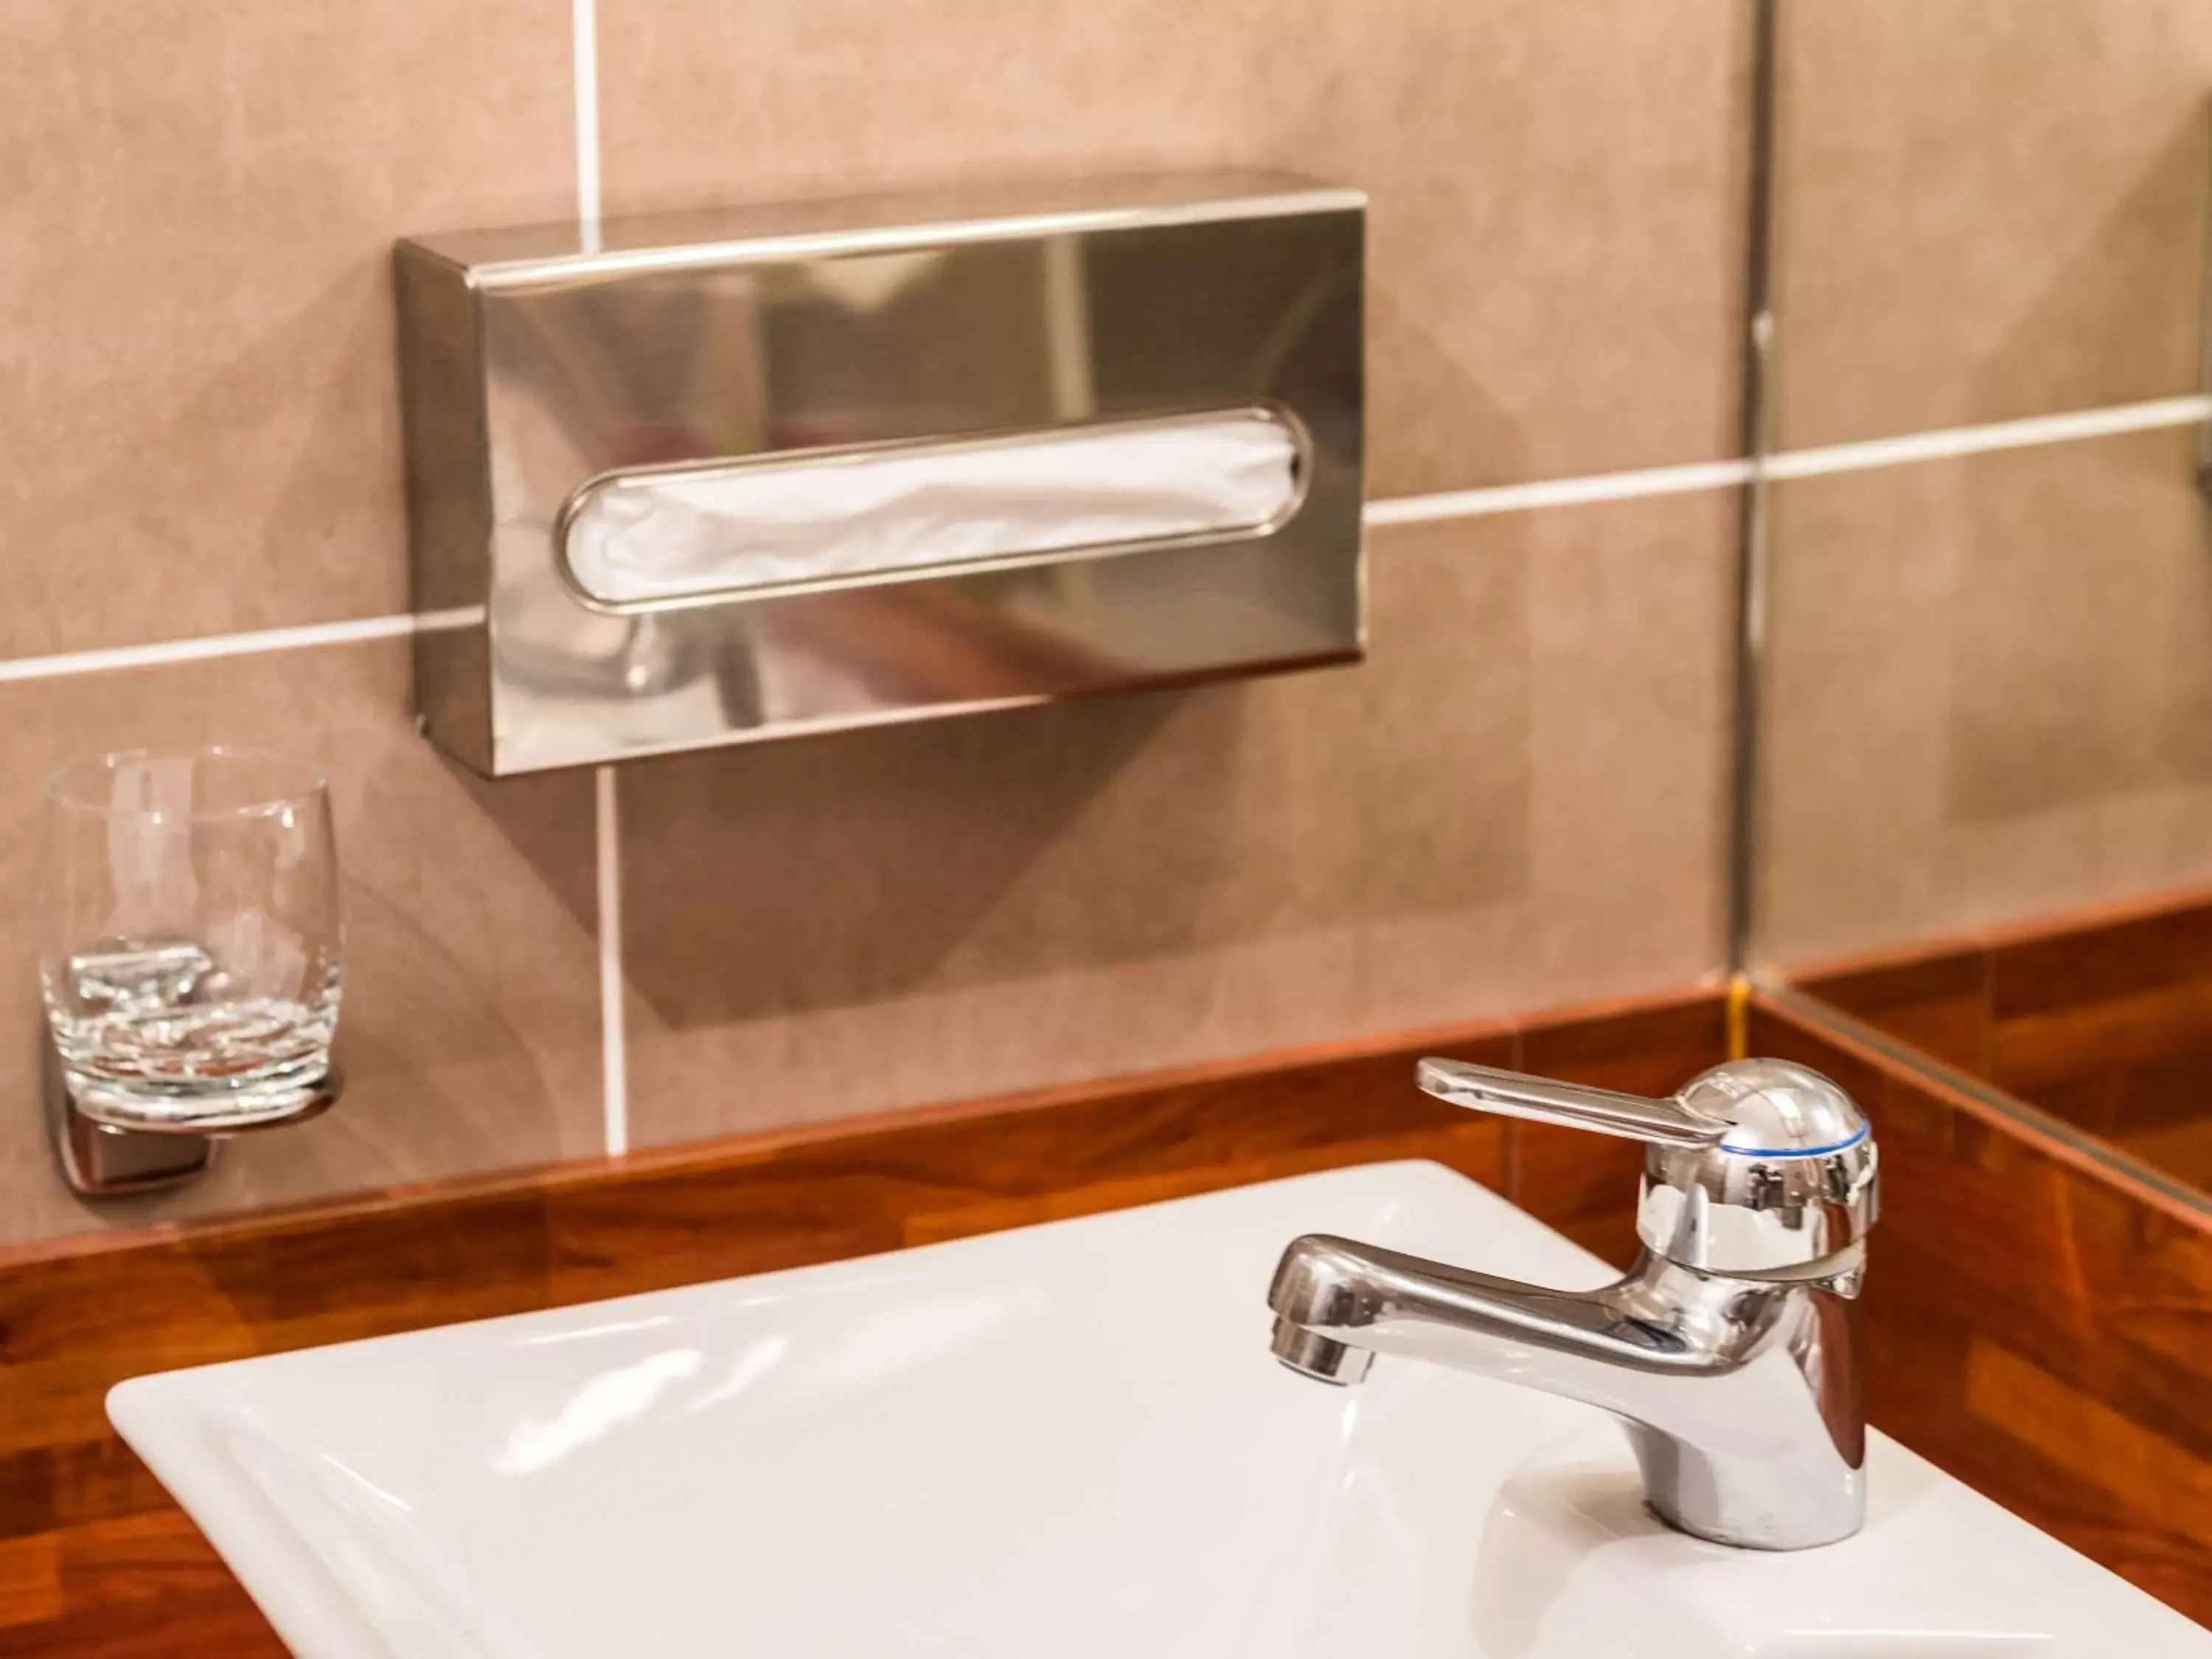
757 472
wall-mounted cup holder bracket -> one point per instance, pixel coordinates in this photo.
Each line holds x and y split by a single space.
105 1150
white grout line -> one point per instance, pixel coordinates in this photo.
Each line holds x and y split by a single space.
584 30
1559 492
614 1070
162 653
1796 463
1983 439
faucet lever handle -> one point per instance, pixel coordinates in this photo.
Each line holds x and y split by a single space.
1575 1105
1755 1165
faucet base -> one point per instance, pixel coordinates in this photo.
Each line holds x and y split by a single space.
1747 1503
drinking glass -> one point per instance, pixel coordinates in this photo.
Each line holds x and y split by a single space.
193 953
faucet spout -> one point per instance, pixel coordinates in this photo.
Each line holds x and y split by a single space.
1740 1395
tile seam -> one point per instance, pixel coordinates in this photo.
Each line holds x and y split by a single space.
207 647
606 807
584 47
613 1062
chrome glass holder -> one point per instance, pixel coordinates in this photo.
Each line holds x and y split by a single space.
100 1159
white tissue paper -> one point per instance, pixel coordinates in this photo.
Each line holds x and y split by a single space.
725 529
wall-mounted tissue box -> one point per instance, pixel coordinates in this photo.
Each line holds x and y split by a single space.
758 472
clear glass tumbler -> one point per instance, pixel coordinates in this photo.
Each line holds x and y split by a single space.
193 956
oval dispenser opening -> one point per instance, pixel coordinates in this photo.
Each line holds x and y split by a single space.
656 538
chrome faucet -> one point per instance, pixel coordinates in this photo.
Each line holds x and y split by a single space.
1730 1351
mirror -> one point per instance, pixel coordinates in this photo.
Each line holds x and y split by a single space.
1981 822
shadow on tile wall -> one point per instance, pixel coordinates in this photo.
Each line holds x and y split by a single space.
2118 311
1991 693
1986 210
2082 642
1101 832
1515 800
196 206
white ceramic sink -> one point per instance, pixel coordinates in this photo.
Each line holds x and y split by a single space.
1062 1441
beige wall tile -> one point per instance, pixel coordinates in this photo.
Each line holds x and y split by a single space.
1988 210
1558 191
1989 694
197 207
1515 802
470 1027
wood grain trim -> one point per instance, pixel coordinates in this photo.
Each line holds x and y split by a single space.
94 1557
2103 1022
1939 1003
2087 1439
2096 918
2031 931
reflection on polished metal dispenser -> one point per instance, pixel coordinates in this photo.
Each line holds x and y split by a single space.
749 473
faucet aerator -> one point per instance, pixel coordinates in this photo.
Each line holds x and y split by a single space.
1316 1357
